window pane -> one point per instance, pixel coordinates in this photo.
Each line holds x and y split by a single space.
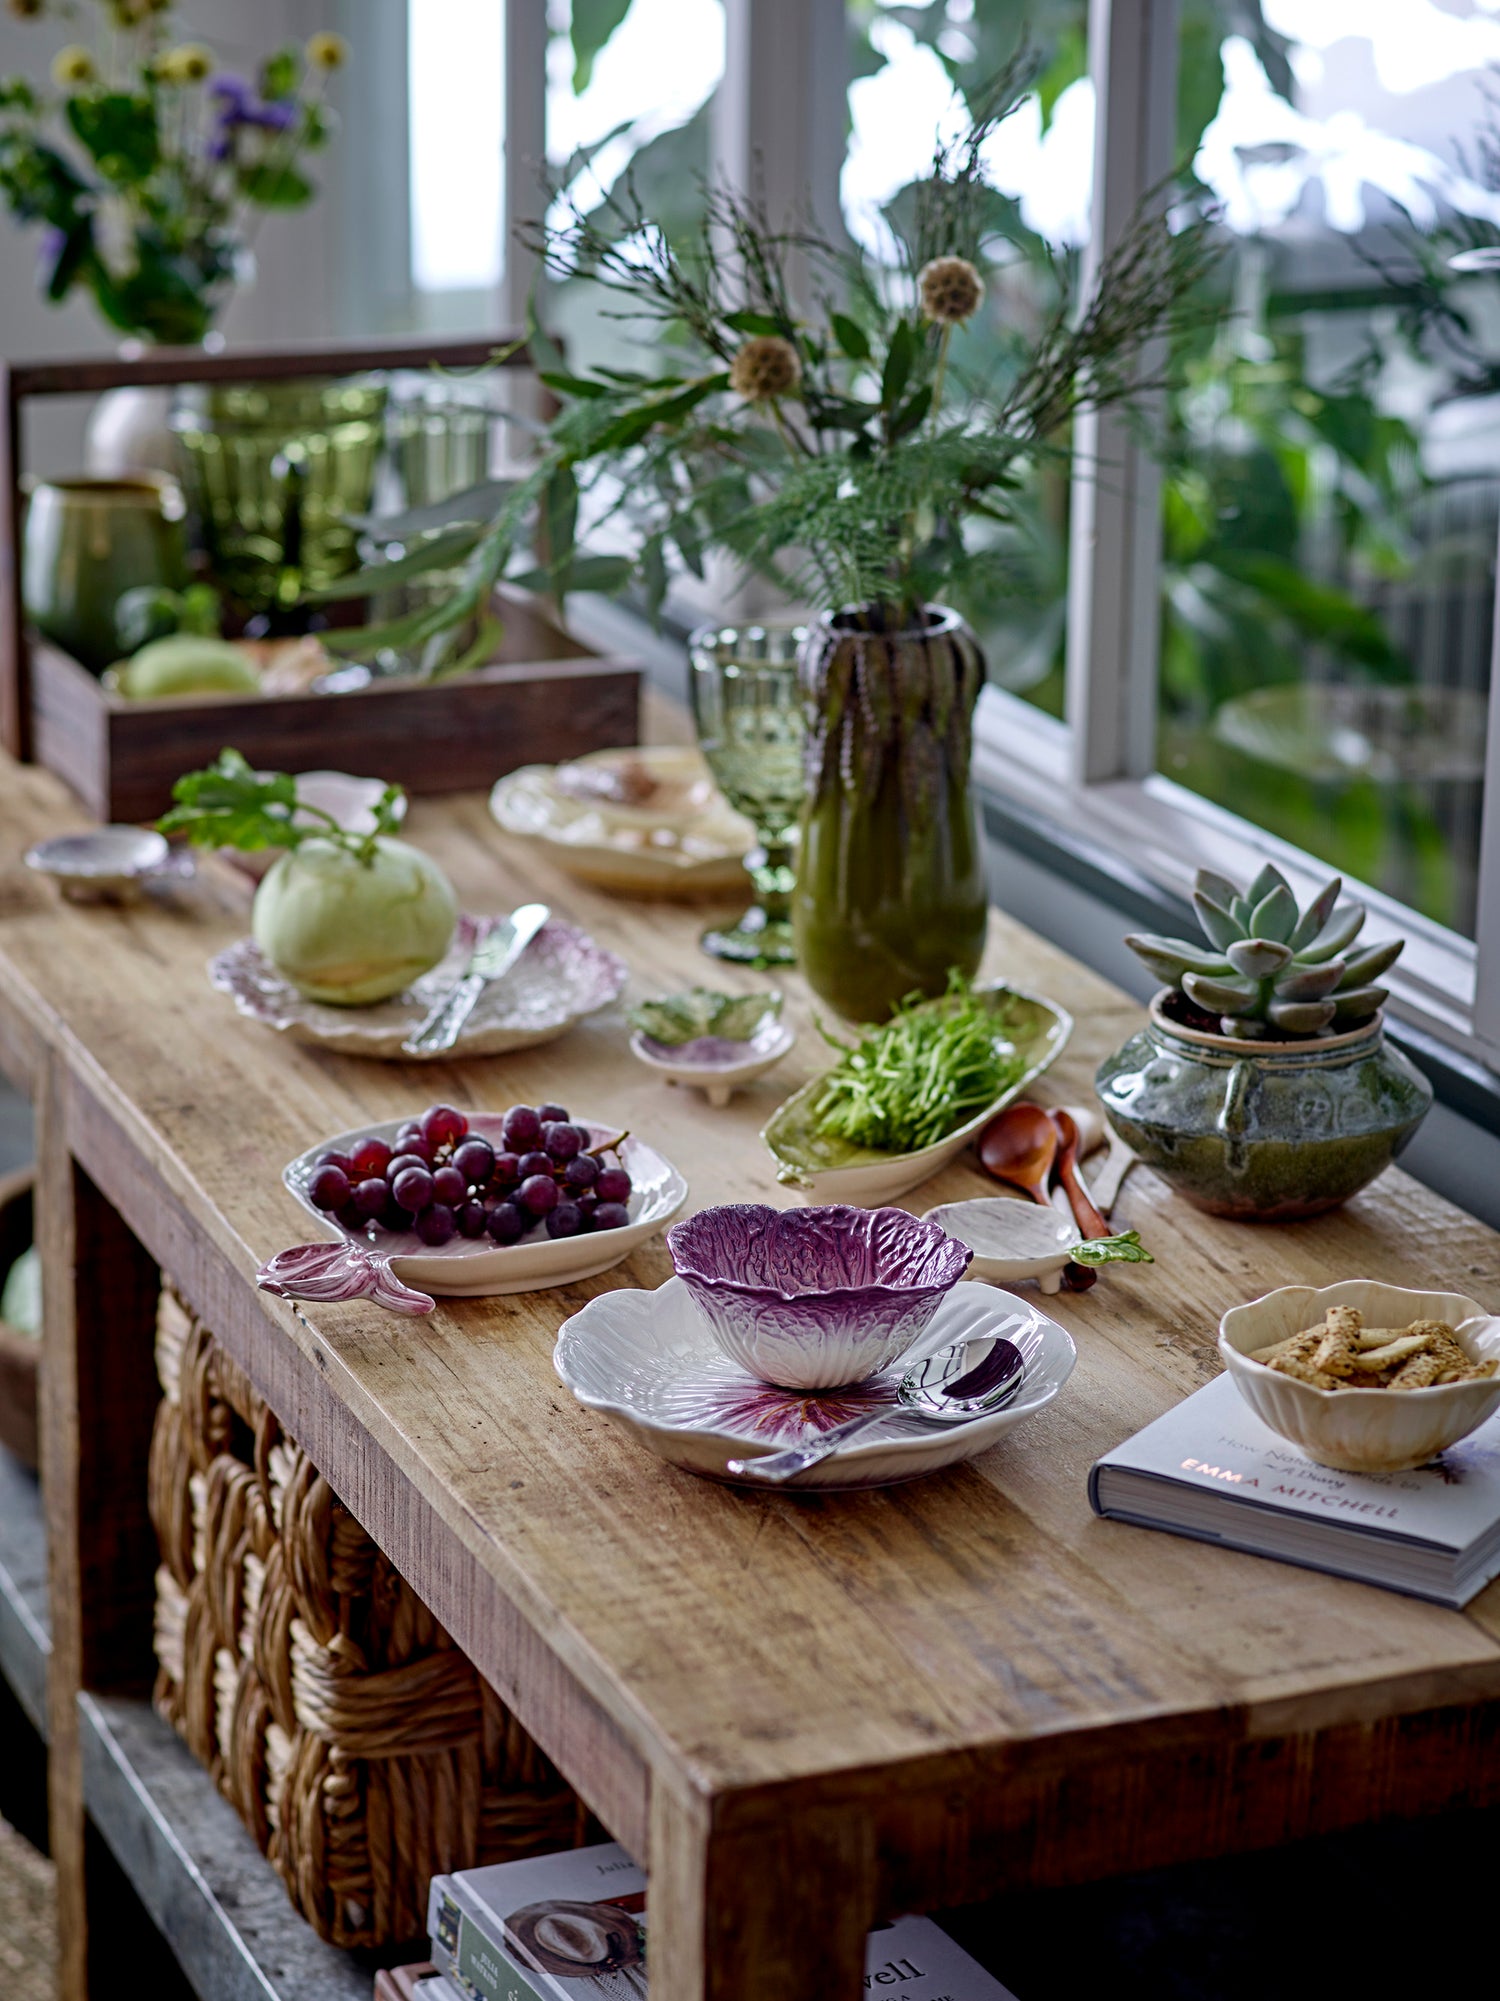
632 109
916 72
1331 513
456 67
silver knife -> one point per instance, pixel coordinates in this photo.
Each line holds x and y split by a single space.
492 958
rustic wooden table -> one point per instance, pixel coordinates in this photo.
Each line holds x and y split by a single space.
799 1712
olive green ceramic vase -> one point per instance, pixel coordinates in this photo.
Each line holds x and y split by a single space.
1263 1131
890 890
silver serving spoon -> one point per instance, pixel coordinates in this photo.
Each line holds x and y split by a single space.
970 1378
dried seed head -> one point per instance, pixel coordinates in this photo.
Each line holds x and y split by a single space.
189 64
73 65
765 367
327 51
951 290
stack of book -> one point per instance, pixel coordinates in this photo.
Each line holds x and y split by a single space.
572 1927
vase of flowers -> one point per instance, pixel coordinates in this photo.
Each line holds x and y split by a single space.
849 452
145 165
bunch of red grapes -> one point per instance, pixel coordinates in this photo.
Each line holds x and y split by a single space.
440 1180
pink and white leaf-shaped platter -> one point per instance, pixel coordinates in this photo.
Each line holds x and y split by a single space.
648 1361
562 976
464 1267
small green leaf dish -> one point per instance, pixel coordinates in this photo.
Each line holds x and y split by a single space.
825 1168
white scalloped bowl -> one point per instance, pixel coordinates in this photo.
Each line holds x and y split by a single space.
1361 1431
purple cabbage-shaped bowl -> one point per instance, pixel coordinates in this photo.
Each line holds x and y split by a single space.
812 1298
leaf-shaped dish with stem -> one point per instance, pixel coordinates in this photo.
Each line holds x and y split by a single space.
824 1167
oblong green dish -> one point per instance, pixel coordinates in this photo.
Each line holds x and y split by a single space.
825 1168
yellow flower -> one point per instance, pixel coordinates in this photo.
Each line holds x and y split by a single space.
73 65
26 10
765 367
189 64
327 51
951 290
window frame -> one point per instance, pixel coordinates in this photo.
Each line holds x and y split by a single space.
1095 776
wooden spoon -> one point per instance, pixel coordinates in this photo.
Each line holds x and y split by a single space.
1076 1277
1085 1210
1019 1147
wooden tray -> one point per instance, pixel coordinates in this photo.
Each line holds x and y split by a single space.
546 698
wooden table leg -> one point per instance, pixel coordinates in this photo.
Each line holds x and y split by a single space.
98 1401
763 1907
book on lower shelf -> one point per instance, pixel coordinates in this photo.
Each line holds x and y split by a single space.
572 1927
1211 1470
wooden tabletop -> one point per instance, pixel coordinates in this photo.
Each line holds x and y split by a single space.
798 1711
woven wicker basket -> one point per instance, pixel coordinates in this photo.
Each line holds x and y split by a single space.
358 1744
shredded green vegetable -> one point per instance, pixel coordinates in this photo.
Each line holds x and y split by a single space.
912 1081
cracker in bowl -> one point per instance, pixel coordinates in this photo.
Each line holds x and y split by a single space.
1342 1353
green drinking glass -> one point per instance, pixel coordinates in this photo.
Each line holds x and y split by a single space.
273 471
748 708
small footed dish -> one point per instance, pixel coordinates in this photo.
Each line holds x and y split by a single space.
714 1064
814 1298
1011 1239
1359 1430
107 864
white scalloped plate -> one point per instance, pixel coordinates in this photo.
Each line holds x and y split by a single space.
696 852
467 1269
647 1360
562 976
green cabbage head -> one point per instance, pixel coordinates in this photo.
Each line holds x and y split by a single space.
353 929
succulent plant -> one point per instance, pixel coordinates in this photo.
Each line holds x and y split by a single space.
1270 969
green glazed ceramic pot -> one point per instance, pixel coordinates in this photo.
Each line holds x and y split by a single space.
1263 1131
88 540
890 889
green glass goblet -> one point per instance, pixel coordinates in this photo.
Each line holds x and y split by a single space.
748 709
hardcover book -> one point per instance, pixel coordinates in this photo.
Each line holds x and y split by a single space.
1210 1469
573 1925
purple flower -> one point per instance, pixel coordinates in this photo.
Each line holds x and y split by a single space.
271 117
230 90
49 248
